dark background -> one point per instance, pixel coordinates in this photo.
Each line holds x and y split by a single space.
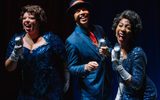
61 24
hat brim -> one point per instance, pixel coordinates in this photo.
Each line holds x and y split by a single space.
72 9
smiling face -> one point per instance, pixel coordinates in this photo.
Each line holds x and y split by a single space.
123 32
81 17
30 24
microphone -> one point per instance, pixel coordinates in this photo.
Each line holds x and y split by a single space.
101 42
117 50
19 42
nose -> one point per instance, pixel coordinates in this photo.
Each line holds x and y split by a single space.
81 11
26 19
123 28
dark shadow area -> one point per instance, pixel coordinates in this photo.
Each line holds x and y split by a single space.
60 23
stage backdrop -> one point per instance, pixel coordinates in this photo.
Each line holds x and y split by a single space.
61 24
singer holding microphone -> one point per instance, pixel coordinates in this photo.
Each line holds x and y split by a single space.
39 58
129 60
89 70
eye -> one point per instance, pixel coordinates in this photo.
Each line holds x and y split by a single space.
32 18
120 25
84 9
128 27
23 18
78 10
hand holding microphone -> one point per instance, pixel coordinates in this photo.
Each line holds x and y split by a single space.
115 57
115 54
103 49
18 49
101 42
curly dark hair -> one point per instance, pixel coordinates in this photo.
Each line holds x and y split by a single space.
35 10
133 17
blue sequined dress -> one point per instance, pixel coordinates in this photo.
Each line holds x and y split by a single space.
41 70
141 86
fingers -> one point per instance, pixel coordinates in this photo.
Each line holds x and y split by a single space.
91 66
18 46
114 56
18 49
104 50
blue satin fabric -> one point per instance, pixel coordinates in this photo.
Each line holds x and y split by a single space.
141 86
95 85
41 71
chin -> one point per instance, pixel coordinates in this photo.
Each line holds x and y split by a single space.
26 31
120 42
83 23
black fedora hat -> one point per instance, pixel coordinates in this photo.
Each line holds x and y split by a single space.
75 4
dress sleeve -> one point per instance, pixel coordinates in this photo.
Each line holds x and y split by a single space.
138 69
10 47
12 43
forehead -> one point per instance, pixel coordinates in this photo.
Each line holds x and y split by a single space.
124 21
28 14
80 8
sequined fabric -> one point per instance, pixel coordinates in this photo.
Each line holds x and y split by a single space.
41 71
140 87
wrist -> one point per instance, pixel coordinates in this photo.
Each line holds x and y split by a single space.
85 67
119 68
14 57
123 73
115 62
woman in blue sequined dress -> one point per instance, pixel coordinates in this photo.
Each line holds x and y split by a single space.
38 57
129 60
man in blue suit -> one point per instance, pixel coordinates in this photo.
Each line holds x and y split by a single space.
88 62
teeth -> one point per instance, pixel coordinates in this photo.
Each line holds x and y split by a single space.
121 34
27 25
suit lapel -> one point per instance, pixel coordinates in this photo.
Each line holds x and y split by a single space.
86 40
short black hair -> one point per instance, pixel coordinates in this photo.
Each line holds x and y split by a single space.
36 10
133 17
